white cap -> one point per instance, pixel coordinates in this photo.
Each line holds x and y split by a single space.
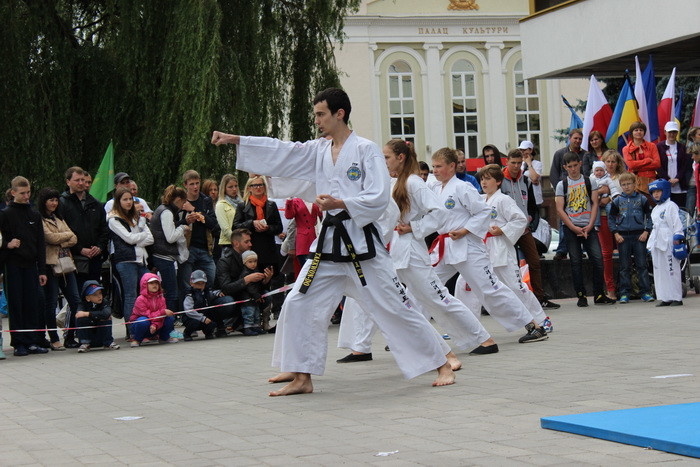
671 126
600 164
526 145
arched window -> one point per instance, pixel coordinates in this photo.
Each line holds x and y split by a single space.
464 117
527 107
402 117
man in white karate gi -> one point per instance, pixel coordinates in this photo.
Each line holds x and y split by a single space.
352 186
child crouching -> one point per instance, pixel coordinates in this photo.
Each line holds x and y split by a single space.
201 297
94 311
150 318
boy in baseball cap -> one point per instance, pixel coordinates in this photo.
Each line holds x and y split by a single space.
94 311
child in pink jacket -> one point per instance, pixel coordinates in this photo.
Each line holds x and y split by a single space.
150 318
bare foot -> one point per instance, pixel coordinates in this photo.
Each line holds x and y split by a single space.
301 385
282 378
445 376
454 362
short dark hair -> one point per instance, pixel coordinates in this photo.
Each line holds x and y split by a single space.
515 153
237 235
423 165
336 99
636 125
72 170
571 157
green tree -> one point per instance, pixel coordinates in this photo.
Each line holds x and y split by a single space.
156 77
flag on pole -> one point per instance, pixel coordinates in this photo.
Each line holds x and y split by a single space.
104 179
649 84
679 108
598 113
640 95
667 110
624 115
695 120
575 120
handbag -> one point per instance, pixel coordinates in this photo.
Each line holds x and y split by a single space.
65 264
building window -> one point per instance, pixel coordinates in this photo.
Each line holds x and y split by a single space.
464 116
527 107
402 117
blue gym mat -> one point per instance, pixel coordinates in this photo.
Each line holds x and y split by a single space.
670 428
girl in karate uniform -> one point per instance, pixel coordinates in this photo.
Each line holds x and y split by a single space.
460 247
507 224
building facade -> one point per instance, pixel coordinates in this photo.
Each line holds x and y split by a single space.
449 73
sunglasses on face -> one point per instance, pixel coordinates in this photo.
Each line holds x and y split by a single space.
257 185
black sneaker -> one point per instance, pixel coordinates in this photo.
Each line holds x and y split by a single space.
21 351
663 304
676 303
70 344
603 300
187 338
35 349
534 334
351 358
485 350
582 301
560 256
546 304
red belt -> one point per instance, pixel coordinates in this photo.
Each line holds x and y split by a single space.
488 234
440 243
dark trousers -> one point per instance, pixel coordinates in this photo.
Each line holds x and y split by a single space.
526 243
97 337
679 199
94 272
592 246
23 304
67 284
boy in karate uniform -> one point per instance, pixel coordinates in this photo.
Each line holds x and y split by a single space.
352 185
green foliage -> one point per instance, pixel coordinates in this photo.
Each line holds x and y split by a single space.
156 77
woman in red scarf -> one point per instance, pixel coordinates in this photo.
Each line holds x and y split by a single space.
641 157
261 217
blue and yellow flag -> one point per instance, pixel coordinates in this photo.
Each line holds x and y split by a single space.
624 115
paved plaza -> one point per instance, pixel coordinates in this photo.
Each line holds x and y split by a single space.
205 402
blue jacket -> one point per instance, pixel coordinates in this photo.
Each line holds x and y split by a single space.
465 177
630 214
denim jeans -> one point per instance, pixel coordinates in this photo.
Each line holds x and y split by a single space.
69 286
632 246
140 329
562 248
251 314
691 199
592 246
168 276
130 275
199 259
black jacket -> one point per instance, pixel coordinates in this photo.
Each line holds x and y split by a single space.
21 221
684 164
228 272
263 242
89 224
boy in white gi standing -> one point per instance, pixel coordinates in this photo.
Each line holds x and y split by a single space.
352 184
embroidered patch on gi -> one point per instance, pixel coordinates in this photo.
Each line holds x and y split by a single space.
450 203
354 173
494 213
663 214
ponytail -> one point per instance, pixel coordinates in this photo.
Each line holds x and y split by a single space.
410 166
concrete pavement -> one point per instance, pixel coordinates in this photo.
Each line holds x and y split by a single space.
205 402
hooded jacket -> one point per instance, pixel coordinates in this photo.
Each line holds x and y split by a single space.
520 190
150 305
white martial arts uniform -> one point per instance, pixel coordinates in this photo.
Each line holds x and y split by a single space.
467 255
505 214
360 178
667 269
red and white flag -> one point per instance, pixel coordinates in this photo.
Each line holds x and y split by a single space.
598 113
667 110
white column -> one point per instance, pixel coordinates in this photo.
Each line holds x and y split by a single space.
496 108
374 85
434 118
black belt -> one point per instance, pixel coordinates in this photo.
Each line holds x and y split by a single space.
340 233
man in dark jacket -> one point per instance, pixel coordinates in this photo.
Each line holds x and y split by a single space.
518 187
228 269
25 269
86 218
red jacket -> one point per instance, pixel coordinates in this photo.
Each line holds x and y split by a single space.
306 232
150 305
643 160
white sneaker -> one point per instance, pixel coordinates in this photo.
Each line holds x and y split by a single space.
112 346
173 340
135 344
83 348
